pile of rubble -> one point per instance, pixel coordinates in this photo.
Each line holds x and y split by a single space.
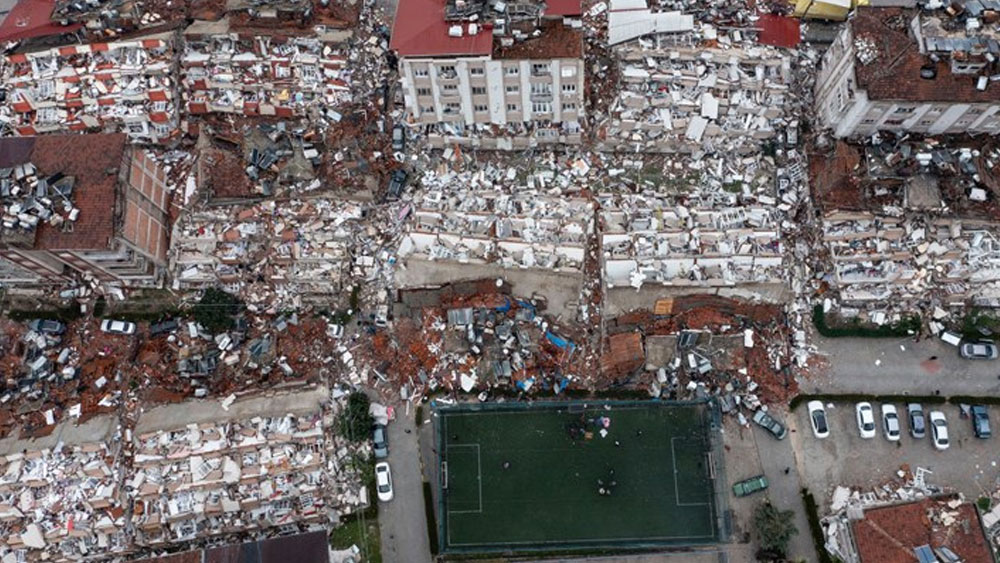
230 72
29 199
688 86
126 85
917 230
214 479
63 502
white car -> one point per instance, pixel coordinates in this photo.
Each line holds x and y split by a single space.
383 481
117 327
939 429
890 423
866 420
817 417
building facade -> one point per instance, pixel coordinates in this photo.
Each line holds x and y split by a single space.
107 217
894 70
476 76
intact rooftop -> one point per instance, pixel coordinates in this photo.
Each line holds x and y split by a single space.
894 72
531 477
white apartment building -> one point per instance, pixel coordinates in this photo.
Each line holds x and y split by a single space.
892 69
522 74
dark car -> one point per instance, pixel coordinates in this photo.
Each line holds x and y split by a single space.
918 425
396 184
398 138
46 326
771 424
165 327
980 421
380 439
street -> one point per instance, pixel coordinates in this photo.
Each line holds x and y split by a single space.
402 521
897 366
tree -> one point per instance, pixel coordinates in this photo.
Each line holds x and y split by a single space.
216 310
775 529
355 422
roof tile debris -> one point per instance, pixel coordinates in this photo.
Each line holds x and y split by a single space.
891 534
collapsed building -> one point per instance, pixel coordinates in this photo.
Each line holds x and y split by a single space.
61 504
907 220
522 230
221 478
687 86
125 86
510 73
900 70
230 71
87 206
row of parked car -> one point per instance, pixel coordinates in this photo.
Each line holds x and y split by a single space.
935 421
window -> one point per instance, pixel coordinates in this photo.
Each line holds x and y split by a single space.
428 109
567 71
905 110
541 107
867 121
569 107
447 71
480 108
420 72
540 68
423 91
449 88
568 88
540 88
927 123
477 71
478 90
161 129
513 89
893 122
309 73
511 107
452 107
137 127
511 70
975 111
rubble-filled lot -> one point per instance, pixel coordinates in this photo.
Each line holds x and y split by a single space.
182 473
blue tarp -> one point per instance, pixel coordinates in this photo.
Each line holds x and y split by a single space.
526 384
560 341
505 307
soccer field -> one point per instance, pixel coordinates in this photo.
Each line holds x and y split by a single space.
522 478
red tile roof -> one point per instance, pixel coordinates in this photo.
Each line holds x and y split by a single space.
890 534
30 18
420 31
563 7
895 72
556 41
94 161
779 31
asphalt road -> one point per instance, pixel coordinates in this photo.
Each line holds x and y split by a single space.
785 490
900 365
402 521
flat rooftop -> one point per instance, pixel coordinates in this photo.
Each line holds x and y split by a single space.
894 70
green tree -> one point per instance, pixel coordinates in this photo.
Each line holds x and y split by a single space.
355 422
216 311
775 530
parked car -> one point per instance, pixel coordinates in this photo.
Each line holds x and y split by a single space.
771 424
980 421
381 441
46 326
117 327
978 350
918 426
396 184
939 429
163 327
817 417
750 486
398 138
866 420
890 423
383 481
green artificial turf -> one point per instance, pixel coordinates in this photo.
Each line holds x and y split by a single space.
548 495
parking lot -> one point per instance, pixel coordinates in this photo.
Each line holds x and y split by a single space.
969 465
